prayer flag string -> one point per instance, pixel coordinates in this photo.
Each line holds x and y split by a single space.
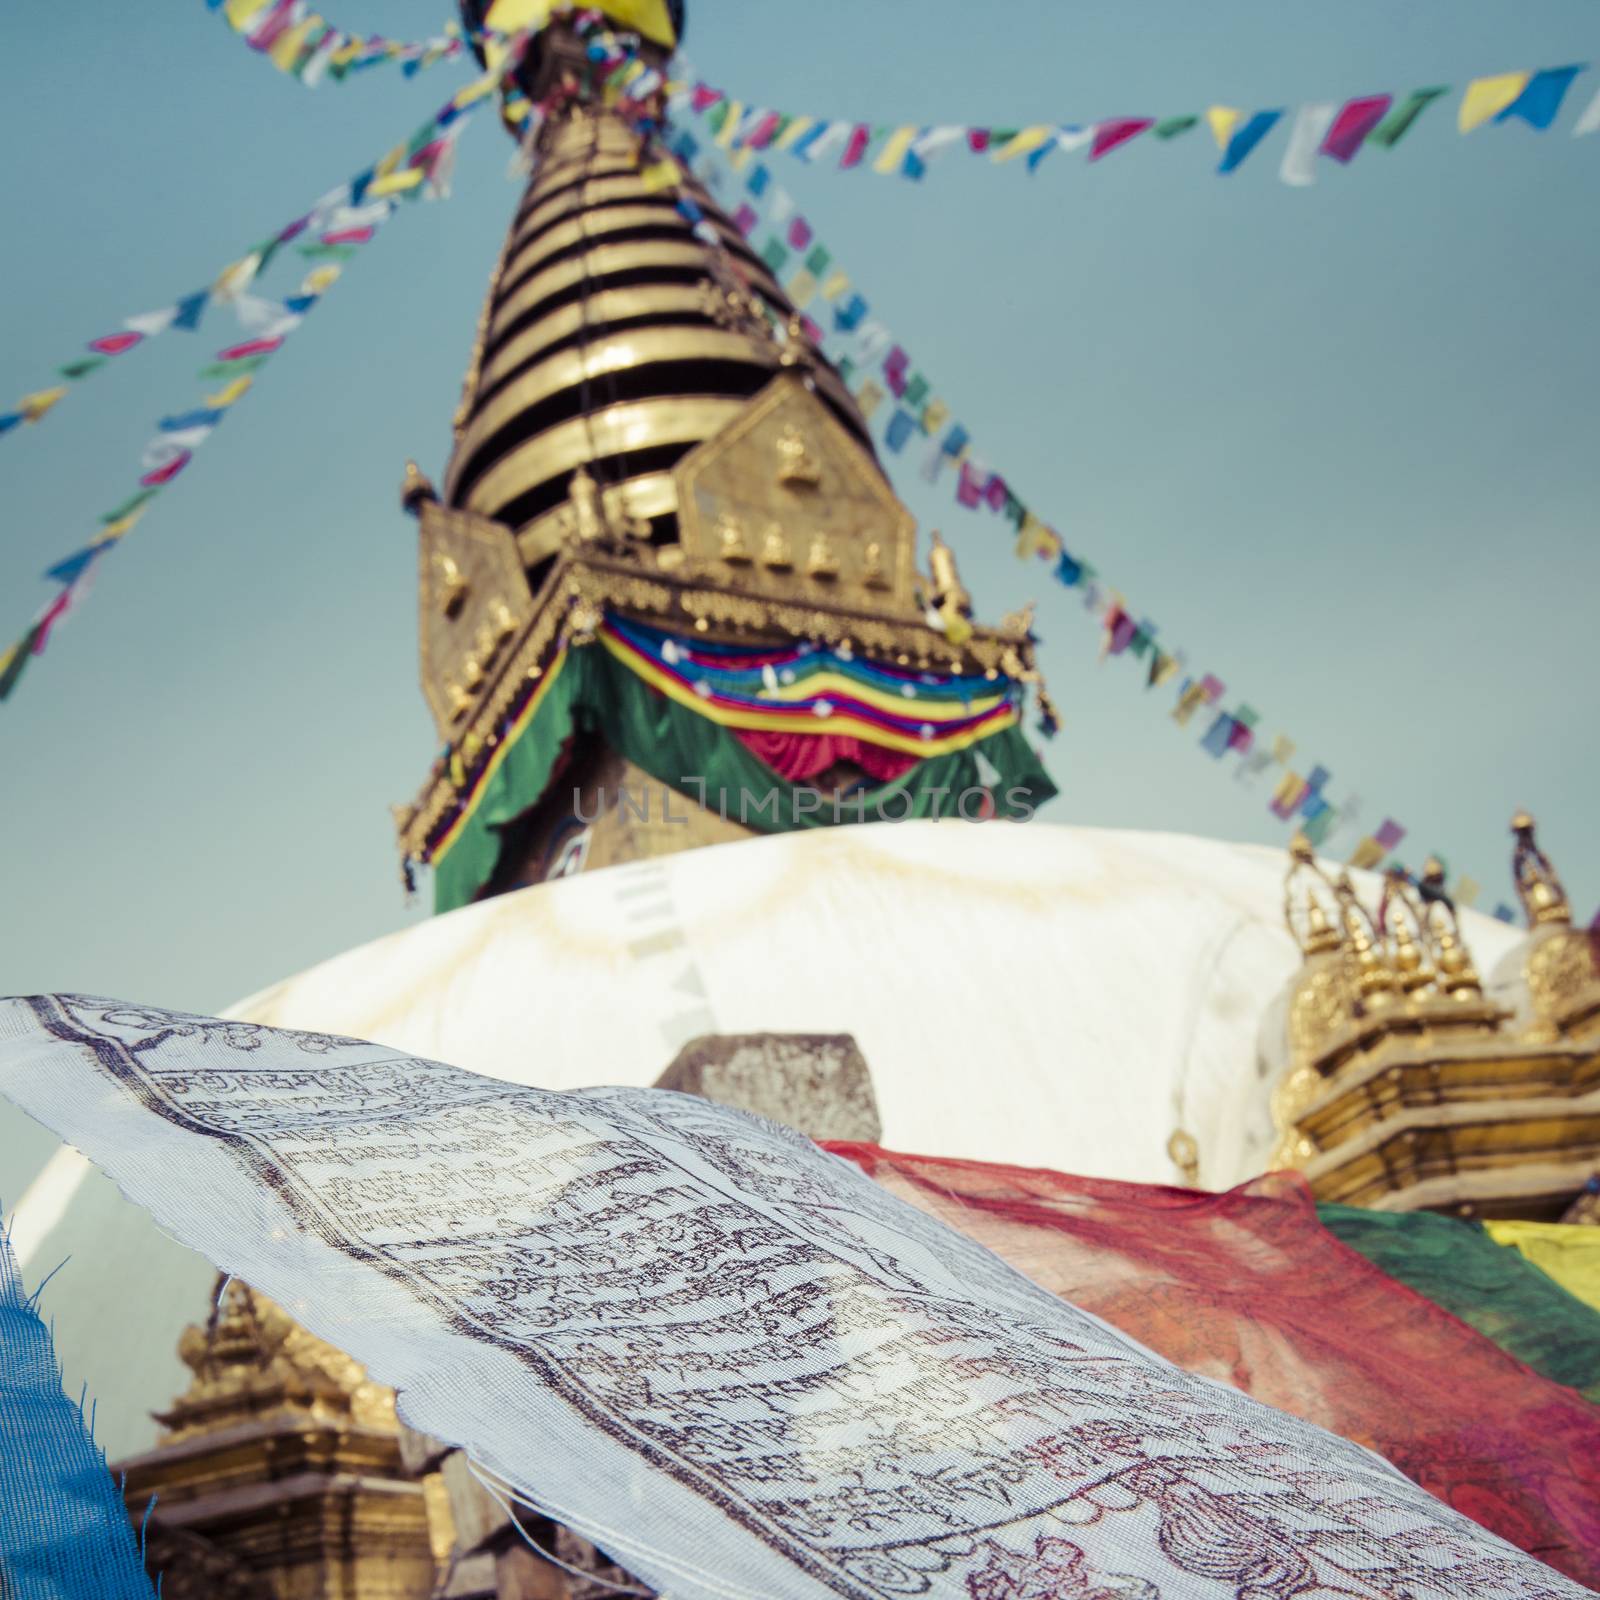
899 402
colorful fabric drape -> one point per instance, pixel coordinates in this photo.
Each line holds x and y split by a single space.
692 743
1248 1288
868 357
1570 1255
1500 1292
64 1532
720 1354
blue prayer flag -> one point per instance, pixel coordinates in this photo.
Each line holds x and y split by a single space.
189 310
1247 138
901 426
72 567
1539 102
848 315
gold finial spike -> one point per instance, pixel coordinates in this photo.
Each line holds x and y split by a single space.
948 592
1306 888
416 490
1400 919
1544 899
1300 848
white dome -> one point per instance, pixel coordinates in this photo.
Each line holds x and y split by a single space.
1046 996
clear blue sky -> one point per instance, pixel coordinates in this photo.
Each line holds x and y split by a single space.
1339 443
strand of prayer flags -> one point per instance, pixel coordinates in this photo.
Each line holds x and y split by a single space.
299 42
880 370
1331 131
344 220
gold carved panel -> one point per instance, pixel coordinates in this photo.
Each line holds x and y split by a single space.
784 503
474 601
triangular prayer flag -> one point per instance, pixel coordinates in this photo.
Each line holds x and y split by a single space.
233 280
190 421
1247 138
1311 124
397 182
1029 139
167 470
65 571
228 395
1171 127
1589 122
893 153
149 323
1356 119
15 661
34 406
81 369
190 309
1117 131
1488 97
113 344
1539 103
1222 120
129 507
1394 127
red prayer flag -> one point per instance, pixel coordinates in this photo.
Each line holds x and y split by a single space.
978 139
113 344
799 233
762 134
1350 128
1118 130
1249 1288
860 138
349 236
167 471
251 347
969 491
705 97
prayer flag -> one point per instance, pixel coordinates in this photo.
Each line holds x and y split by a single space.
1311 125
819 261
799 233
73 566
1247 138
1171 127
1589 122
746 218
900 428
847 317
894 369
894 151
1538 104
233 280
661 175
1390 834
765 130
774 254
149 323
397 182
251 347
797 129
801 289
1117 131
1488 97
1367 854
113 344
869 397
190 309
34 406
74 370
240 13
1395 126
969 488
167 470
1218 738
1356 119
1222 120
860 138
1029 139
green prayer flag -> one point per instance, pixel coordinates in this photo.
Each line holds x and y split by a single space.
130 505
327 252
917 391
774 254
717 117
81 369
15 662
1394 127
231 369
818 261
1002 136
1171 127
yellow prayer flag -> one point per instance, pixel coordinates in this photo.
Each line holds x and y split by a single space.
647 17
115 530
1367 854
241 13
1165 667
395 183
233 280
1028 139
894 152
473 92
1282 750
1190 702
934 416
319 279
741 158
801 289
1567 1252
346 53
389 161
835 285
1222 120
226 397
1488 97
1035 539
870 396
631 73
1467 891
731 125
663 175
286 51
797 129
1290 790
34 406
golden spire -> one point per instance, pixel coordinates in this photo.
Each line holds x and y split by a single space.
1455 975
1376 982
1308 918
416 489
1401 921
1543 898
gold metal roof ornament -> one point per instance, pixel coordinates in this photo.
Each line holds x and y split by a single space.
1401 922
1544 900
1561 963
1455 977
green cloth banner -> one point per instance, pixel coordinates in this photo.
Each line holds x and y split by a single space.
596 694
1493 1289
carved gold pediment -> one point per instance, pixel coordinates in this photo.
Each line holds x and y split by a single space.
785 503
473 603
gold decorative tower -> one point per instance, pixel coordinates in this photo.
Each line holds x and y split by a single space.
1405 1086
647 436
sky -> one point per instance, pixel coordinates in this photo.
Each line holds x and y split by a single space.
1337 442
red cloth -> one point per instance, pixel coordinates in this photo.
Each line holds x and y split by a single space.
1352 125
1249 1288
798 756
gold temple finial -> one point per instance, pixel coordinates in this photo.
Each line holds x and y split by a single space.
588 516
416 490
1308 918
1402 923
1456 977
947 588
1375 979
1540 890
